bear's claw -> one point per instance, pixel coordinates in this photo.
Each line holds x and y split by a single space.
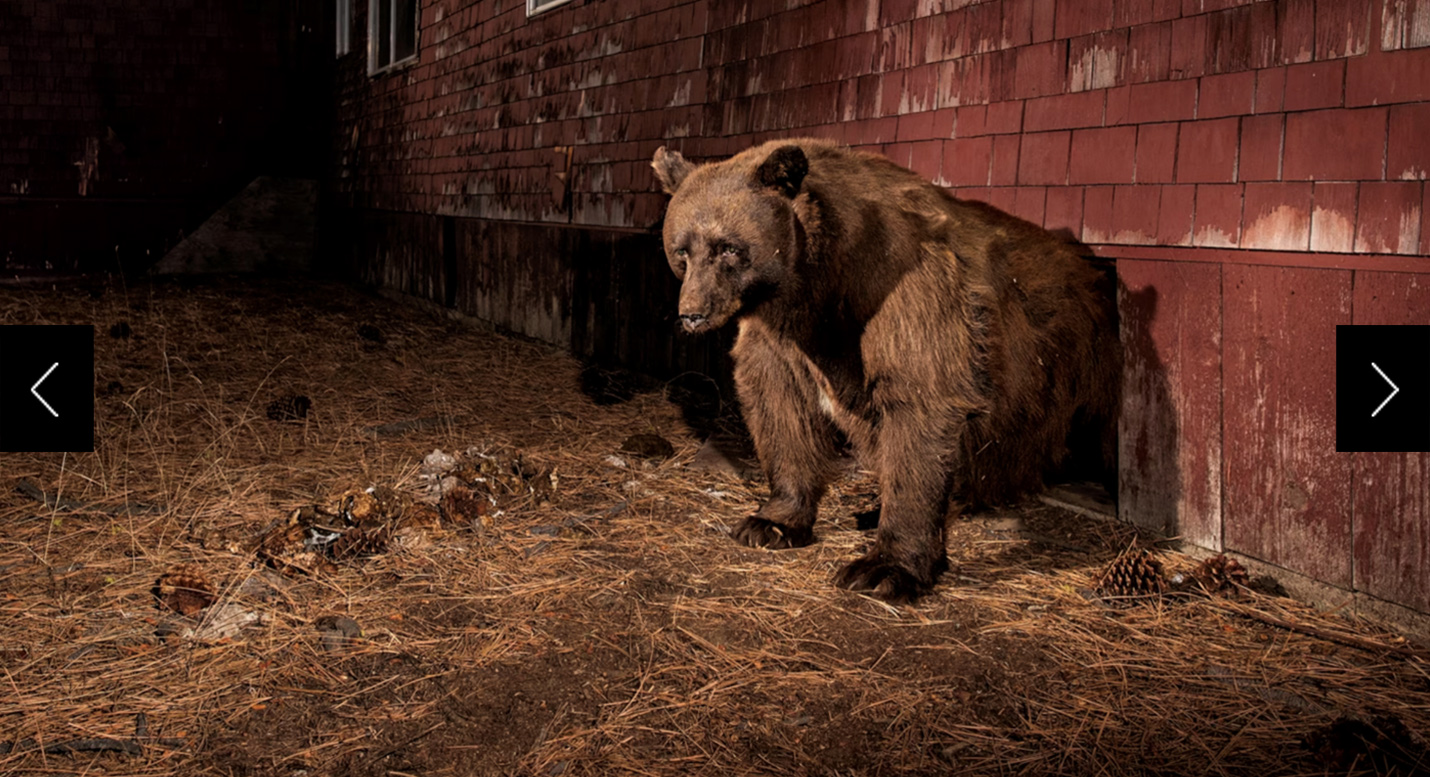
759 532
886 580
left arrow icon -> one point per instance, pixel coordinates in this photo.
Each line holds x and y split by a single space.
35 389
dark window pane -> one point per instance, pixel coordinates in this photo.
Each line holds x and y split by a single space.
383 28
406 42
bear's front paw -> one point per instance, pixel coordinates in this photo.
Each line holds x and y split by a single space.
879 577
758 532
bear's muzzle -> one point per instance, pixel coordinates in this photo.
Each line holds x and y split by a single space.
694 322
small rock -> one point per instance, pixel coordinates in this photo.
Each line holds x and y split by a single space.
224 621
711 458
258 587
648 446
371 334
170 627
337 632
1006 524
1268 586
951 752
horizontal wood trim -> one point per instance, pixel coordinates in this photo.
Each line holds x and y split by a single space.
1325 261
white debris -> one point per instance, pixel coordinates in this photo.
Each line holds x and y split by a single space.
438 462
223 621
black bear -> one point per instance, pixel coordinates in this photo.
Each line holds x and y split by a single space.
955 347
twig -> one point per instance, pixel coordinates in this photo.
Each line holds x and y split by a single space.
378 755
1348 640
97 745
74 505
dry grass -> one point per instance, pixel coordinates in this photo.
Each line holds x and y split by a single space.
636 639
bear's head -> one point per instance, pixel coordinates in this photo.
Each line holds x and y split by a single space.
730 230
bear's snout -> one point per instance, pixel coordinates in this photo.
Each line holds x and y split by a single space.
694 322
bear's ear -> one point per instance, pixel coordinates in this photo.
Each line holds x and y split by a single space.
670 168
784 171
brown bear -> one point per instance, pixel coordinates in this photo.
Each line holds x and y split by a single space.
954 347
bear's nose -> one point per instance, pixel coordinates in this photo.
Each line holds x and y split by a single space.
692 321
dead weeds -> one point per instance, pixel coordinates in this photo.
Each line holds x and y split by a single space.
614 627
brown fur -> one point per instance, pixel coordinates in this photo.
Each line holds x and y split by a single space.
954 346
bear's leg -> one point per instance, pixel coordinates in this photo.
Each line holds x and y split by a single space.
915 483
795 439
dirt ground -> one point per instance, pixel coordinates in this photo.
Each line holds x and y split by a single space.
611 627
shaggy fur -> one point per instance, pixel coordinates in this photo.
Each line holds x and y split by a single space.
955 347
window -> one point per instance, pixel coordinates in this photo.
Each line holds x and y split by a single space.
344 26
391 34
534 7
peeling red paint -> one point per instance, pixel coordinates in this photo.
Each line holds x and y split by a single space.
1388 218
1218 219
1287 491
1277 216
1333 216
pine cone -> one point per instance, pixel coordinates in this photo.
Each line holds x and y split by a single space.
469 472
391 503
184 589
286 535
1135 573
358 543
503 476
422 515
357 507
1220 574
463 506
290 545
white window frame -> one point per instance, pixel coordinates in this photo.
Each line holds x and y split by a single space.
344 27
534 7
375 7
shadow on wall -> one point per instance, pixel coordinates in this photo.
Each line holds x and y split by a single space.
1150 472
624 304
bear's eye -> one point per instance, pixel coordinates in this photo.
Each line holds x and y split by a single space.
681 253
729 252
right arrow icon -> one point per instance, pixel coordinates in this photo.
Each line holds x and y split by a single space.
1394 389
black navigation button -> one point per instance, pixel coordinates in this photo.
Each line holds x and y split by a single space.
1383 388
47 388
